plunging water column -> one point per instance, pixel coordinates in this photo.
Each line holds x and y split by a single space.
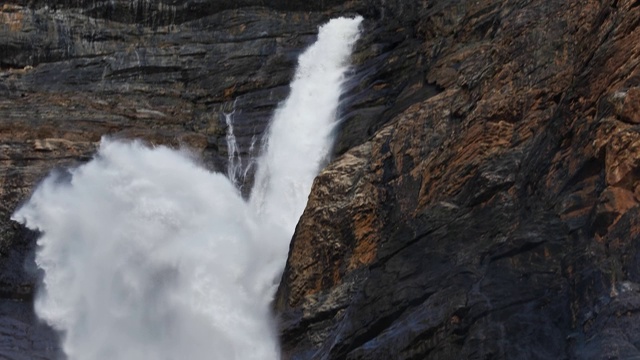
146 255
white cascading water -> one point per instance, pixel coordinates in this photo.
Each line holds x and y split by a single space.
234 161
146 255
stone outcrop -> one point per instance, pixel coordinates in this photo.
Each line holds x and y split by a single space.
483 201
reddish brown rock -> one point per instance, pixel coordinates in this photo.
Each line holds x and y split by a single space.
504 207
613 203
484 203
627 105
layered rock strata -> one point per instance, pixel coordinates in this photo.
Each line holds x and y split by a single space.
72 72
496 219
484 195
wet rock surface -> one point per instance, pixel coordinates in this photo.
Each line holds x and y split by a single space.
483 201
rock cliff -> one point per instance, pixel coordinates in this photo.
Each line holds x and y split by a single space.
72 72
483 201
493 217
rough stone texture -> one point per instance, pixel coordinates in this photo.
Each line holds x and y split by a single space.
68 77
484 201
164 71
497 219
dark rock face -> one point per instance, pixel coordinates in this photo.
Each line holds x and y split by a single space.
483 203
167 72
168 12
494 216
70 74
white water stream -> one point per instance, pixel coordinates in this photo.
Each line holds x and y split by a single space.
234 160
146 255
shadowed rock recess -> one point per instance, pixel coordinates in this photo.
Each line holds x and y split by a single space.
484 198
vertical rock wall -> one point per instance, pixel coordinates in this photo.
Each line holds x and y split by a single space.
495 218
483 200
72 72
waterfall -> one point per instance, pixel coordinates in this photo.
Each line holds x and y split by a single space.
234 161
146 255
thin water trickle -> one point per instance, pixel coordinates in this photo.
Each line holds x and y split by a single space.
234 160
146 255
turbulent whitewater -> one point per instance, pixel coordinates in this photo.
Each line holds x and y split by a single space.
146 255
